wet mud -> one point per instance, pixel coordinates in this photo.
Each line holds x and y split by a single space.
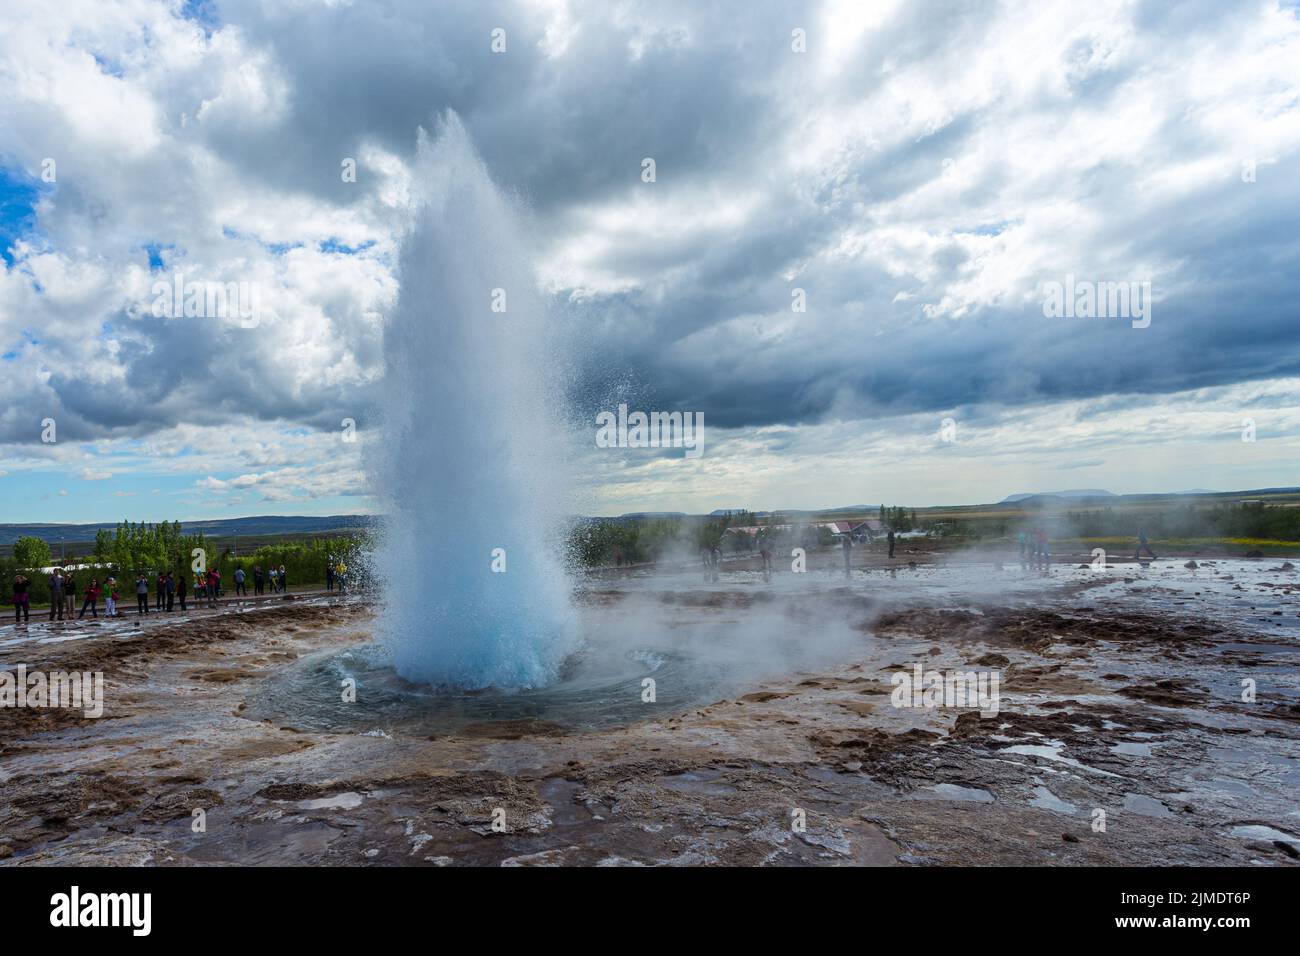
1145 718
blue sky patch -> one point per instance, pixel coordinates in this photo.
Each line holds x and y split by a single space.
333 245
202 12
155 252
19 194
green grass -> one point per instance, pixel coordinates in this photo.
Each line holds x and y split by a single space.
1236 546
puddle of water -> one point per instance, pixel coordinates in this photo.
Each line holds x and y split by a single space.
697 781
1130 749
340 801
1052 751
951 791
1256 831
1146 806
560 795
1044 799
1233 786
1261 648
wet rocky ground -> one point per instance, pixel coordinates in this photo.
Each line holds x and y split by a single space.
1146 716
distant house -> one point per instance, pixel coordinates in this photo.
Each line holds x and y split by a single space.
870 529
838 528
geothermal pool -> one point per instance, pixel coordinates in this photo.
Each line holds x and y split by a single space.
698 642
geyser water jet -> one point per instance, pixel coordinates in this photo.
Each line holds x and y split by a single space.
471 458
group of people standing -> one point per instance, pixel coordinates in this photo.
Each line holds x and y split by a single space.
63 596
272 576
336 572
168 588
1035 552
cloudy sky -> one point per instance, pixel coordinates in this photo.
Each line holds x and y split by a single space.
922 171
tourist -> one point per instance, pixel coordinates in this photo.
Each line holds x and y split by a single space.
69 594
890 538
110 602
91 599
257 579
161 591
1143 545
171 591
141 595
342 572
22 608
211 586
1042 554
847 545
56 593
765 553
180 589
283 581
329 574
239 583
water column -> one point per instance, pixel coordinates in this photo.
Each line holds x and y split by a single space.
471 457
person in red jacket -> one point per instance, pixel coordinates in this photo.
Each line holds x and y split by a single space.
91 599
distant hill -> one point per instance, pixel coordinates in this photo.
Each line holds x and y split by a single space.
1071 493
214 528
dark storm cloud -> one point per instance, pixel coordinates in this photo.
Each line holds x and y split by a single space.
919 177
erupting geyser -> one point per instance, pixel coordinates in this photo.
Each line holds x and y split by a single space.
472 454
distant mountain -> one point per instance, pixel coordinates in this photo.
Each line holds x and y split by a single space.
215 528
1071 493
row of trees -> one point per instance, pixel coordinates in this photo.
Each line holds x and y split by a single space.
899 518
612 541
638 540
142 547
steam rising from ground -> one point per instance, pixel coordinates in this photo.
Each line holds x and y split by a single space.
472 457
